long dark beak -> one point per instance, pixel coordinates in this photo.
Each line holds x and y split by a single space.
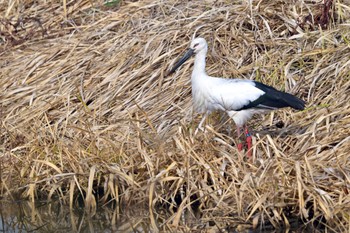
187 55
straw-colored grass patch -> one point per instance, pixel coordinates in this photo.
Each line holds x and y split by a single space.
87 109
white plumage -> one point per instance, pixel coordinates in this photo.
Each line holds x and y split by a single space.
240 99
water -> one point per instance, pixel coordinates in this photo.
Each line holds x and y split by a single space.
23 216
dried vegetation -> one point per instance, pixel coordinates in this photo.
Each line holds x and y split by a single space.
86 109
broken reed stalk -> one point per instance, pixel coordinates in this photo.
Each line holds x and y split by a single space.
86 109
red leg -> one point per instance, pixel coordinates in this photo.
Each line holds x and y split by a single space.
240 144
249 142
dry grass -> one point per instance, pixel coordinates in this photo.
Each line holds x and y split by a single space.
86 109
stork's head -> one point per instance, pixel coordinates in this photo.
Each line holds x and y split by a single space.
197 45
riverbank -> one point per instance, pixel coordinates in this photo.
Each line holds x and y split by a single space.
88 112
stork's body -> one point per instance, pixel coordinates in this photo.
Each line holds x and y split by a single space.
240 99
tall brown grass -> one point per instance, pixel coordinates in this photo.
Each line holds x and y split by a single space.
86 109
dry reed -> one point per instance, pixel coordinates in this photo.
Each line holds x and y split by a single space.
86 109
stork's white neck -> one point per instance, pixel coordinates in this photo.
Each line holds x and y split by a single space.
199 64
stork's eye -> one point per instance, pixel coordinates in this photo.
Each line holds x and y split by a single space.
195 45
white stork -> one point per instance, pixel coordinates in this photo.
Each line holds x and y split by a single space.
239 98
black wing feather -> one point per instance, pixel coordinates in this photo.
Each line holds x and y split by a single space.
273 99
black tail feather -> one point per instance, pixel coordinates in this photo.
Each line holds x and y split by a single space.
273 99
292 101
